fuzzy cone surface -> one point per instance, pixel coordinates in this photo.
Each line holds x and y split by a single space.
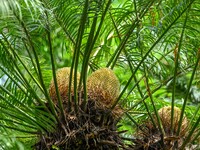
62 76
103 85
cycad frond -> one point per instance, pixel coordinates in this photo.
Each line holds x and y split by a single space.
150 45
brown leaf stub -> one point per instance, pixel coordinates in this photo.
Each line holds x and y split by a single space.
62 76
103 86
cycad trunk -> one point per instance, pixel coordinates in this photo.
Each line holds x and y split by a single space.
93 125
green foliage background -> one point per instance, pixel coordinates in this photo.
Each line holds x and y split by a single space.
152 46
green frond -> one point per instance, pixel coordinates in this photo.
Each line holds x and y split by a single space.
151 46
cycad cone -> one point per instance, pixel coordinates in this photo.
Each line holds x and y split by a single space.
165 116
103 86
62 76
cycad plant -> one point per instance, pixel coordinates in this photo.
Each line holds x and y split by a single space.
99 74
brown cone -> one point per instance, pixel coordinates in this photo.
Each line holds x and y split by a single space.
165 116
103 86
62 76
